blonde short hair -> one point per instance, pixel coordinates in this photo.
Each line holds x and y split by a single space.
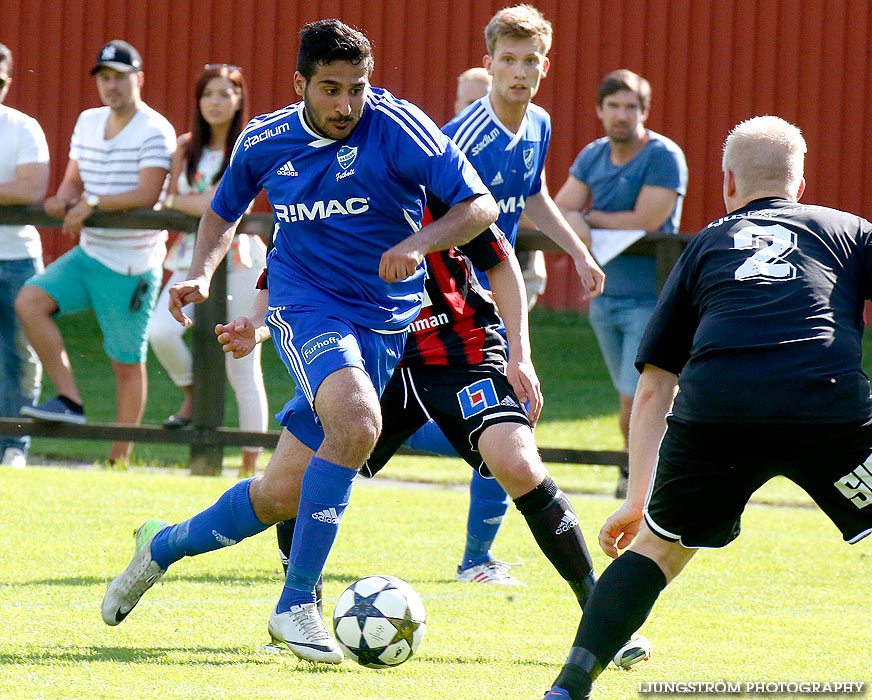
518 22
474 75
765 153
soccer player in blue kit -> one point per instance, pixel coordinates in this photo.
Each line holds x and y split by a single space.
345 172
506 137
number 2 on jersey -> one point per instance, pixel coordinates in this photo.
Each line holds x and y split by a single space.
772 244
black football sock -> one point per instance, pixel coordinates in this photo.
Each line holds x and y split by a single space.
621 602
284 536
552 520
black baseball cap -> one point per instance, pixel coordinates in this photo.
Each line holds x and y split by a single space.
120 56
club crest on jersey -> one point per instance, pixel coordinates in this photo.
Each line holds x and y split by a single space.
528 157
346 156
477 397
319 345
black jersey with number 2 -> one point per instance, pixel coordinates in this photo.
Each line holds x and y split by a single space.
762 317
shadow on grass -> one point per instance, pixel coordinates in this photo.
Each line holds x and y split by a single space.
209 656
485 661
223 579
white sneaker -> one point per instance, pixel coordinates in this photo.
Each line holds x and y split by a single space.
303 631
636 650
141 573
493 571
14 457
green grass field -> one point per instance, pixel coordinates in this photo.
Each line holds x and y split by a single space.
787 601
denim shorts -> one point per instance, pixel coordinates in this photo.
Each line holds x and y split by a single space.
123 304
313 345
619 323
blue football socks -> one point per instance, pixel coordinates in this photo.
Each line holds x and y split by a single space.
488 503
324 496
229 520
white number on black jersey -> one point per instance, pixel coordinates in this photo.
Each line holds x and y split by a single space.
772 245
857 486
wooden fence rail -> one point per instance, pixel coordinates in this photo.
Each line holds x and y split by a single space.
206 436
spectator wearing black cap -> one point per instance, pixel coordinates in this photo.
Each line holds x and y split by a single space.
119 159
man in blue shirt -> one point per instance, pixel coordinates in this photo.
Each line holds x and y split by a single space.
345 172
635 179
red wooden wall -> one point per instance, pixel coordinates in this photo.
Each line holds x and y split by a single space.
711 63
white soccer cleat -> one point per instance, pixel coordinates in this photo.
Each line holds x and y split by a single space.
141 573
302 630
493 571
636 650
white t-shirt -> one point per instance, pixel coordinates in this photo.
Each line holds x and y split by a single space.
110 166
21 141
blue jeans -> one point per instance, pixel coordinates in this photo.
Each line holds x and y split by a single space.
618 323
20 368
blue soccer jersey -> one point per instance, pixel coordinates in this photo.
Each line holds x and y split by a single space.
338 205
510 164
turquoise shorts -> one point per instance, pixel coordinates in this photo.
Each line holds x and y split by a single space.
123 304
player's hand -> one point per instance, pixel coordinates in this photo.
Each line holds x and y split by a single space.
56 207
237 337
75 217
620 529
191 291
525 383
400 262
591 276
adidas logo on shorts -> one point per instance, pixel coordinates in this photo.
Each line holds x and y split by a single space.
567 522
287 169
328 515
509 401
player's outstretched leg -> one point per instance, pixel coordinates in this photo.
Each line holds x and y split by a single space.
488 503
228 521
620 603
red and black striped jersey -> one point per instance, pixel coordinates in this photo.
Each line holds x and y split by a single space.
458 322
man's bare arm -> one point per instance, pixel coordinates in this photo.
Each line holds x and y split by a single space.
460 224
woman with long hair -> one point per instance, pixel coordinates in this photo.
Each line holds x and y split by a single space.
200 160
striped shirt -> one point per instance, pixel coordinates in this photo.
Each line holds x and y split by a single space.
111 166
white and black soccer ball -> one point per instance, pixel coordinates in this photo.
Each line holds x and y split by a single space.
379 621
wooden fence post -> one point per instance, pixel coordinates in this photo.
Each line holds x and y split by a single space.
207 410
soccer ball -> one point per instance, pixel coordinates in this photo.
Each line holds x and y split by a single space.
379 621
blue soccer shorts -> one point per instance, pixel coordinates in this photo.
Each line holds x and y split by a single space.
312 344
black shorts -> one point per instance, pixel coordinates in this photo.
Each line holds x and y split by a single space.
461 400
706 472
